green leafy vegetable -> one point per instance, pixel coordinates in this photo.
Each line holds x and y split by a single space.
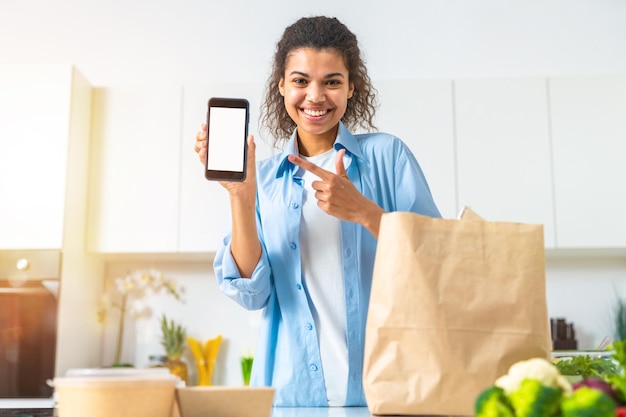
619 348
587 366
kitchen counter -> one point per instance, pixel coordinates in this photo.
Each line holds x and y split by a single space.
276 412
44 407
27 407
320 412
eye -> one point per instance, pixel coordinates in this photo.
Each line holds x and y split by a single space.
333 83
299 81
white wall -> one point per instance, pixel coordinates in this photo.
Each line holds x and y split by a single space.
584 290
117 42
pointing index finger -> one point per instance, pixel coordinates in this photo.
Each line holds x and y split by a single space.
311 167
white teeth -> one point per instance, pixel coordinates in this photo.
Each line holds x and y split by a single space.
315 113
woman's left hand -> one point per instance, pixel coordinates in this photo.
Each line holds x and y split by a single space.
337 196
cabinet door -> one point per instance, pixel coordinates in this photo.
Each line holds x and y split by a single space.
420 113
503 150
589 136
135 173
204 205
34 130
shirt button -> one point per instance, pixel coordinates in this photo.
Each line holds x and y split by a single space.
348 252
309 326
295 205
313 367
298 286
292 245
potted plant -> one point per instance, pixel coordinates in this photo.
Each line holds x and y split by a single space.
126 295
173 340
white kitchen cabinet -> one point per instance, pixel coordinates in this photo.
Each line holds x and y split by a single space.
135 171
420 113
204 205
149 194
589 138
503 150
484 143
40 108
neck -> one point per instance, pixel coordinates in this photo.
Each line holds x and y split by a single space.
311 145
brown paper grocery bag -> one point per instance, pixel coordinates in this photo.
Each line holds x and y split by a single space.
454 304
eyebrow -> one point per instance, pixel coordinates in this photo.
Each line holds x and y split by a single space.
304 74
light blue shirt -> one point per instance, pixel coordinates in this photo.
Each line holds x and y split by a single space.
287 355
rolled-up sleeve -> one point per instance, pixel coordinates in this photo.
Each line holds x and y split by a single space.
252 292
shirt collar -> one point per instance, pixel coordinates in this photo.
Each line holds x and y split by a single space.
345 139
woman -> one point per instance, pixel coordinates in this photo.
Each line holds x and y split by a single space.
305 221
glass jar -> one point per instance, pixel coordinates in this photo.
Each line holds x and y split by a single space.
156 361
246 369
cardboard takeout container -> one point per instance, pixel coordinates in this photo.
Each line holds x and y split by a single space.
120 394
224 401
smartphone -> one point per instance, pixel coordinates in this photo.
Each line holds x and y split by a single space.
227 133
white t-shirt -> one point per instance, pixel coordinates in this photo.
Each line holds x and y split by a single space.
320 244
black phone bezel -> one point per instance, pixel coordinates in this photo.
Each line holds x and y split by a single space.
216 175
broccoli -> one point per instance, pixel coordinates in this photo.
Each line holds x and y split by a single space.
493 402
533 399
588 402
619 381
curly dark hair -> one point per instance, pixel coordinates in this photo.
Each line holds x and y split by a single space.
319 33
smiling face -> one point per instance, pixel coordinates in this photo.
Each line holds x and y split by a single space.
316 88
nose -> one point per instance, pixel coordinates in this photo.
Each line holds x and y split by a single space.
315 93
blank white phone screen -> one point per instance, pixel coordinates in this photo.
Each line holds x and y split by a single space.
227 131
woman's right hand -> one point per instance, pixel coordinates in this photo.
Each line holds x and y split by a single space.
200 145
246 188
